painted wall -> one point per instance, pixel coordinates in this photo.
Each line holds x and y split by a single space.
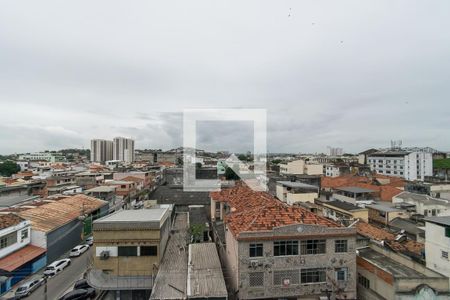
20 242
435 243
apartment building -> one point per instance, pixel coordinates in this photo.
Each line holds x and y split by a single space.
437 244
101 150
51 157
411 165
278 251
422 204
123 149
383 274
353 194
129 245
18 258
335 170
301 167
344 212
384 213
292 192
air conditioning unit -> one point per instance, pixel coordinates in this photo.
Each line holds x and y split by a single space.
104 255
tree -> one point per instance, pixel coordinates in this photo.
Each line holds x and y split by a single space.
9 168
196 231
198 165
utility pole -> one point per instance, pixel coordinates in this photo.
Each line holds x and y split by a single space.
45 288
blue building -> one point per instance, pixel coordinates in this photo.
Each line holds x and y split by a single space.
18 258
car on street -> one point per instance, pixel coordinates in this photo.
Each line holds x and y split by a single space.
81 284
56 267
28 287
79 294
78 250
90 241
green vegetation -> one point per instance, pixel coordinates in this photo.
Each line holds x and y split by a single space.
276 161
8 168
196 231
441 163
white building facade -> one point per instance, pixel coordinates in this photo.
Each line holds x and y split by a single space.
123 149
406 164
101 150
437 244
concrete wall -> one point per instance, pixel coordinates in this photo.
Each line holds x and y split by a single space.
17 229
127 265
268 264
314 169
435 243
302 197
62 239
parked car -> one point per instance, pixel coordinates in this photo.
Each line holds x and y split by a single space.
56 267
79 294
78 250
90 241
81 284
28 287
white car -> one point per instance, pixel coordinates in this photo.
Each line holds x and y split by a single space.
56 267
90 241
78 250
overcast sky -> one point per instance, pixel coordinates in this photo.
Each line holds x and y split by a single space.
351 74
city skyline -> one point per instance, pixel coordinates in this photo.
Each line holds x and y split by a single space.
62 85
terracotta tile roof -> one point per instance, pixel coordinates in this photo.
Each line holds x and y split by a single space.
9 220
50 216
379 234
259 211
20 257
385 192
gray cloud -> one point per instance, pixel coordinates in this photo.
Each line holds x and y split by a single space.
352 74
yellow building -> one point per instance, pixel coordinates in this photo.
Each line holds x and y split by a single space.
128 247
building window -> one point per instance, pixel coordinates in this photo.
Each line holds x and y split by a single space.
286 277
127 251
313 247
256 250
363 281
341 274
8 240
444 254
340 246
313 275
447 231
282 248
149 250
23 234
256 279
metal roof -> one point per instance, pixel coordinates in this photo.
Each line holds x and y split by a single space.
354 189
50 216
296 184
205 277
397 269
343 205
385 208
170 282
439 220
153 217
101 189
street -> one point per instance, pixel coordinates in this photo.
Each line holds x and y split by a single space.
59 284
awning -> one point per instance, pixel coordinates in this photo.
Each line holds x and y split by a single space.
20 257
